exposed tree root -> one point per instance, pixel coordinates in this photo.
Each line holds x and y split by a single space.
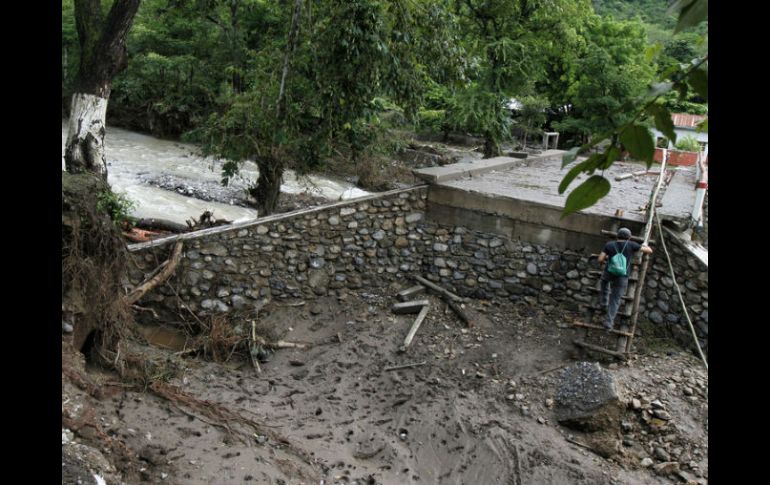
166 270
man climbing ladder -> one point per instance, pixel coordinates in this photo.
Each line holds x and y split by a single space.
614 281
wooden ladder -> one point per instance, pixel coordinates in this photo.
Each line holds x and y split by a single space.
639 266
629 310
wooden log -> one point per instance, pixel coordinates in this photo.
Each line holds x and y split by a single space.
161 224
437 288
596 348
408 307
458 311
635 307
163 275
410 292
415 326
405 366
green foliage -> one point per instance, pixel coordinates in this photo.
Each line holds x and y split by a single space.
611 74
682 78
117 205
688 144
586 194
532 115
431 119
477 111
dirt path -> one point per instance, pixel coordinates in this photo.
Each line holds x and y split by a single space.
476 413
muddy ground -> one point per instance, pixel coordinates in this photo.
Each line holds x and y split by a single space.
478 411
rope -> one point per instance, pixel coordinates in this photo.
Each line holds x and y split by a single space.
679 292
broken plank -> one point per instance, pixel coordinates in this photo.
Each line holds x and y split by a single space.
410 292
437 288
409 307
415 326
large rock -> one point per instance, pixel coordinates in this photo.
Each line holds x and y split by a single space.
588 399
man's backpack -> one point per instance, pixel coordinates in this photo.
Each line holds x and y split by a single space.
618 265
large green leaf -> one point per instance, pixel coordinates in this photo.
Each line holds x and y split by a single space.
612 154
638 141
569 157
586 194
587 165
663 121
691 12
699 80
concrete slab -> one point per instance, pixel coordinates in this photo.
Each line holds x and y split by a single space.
537 180
475 168
519 199
679 198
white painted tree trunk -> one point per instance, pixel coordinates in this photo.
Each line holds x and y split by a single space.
85 135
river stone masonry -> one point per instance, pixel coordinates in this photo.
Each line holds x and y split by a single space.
377 240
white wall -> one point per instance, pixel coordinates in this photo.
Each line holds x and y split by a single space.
681 133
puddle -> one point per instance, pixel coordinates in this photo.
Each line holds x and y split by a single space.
164 337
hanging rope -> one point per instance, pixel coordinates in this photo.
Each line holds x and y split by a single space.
679 292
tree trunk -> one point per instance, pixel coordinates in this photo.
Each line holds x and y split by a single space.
85 135
491 148
102 56
268 187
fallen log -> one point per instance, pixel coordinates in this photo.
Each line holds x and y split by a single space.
161 225
141 235
437 288
458 311
415 326
163 275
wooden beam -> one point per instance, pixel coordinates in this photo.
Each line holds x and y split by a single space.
404 295
415 326
437 288
409 307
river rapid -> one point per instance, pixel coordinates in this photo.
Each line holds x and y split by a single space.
140 166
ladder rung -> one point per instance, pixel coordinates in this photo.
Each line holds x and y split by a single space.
599 327
586 345
634 276
625 311
625 297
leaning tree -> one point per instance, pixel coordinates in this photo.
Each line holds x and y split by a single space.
102 55
93 254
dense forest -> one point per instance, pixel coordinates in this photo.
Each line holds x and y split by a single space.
305 84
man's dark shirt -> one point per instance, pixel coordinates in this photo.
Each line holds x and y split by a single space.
613 247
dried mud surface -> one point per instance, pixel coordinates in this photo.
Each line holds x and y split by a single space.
479 411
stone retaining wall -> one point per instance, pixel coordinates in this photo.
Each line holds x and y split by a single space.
380 239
